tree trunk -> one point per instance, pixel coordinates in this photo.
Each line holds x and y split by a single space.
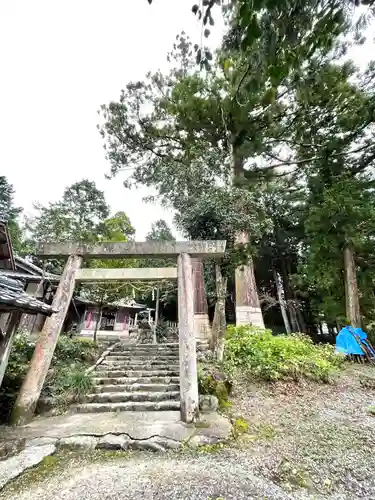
353 313
293 316
219 322
248 310
6 345
289 294
281 299
32 385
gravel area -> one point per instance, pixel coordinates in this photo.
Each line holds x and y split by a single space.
311 437
304 442
151 477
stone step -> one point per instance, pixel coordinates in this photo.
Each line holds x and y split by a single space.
135 380
148 354
100 388
142 357
135 367
128 406
123 397
146 347
141 373
139 362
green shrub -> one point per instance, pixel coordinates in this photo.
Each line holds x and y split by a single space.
66 375
281 357
73 349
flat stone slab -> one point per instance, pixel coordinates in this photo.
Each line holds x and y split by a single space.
130 249
136 425
29 457
147 431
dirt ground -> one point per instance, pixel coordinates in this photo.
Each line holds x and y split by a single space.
302 441
318 439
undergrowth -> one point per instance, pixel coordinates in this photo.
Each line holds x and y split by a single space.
66 378
284 357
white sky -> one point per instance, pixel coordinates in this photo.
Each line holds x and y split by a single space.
61 59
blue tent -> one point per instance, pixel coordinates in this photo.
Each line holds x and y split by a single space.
349 341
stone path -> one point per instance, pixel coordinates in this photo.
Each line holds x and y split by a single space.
152 431
143 377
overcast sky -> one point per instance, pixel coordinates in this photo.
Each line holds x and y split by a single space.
61 59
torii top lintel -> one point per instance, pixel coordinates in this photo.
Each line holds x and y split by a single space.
131 249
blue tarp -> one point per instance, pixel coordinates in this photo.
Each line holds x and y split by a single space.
347 343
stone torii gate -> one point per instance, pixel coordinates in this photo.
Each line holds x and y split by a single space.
76 252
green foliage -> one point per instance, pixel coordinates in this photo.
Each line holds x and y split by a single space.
78 216
283 357
72 349
160 231
117 229
10 213
240 426
66 376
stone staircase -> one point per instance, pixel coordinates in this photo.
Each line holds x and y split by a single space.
138 377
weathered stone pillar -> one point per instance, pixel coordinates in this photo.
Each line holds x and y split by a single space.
32 385
188 356
248 310
202 327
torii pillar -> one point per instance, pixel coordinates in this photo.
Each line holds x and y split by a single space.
202 327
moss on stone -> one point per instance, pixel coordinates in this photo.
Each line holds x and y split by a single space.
213 381
57 463
202 425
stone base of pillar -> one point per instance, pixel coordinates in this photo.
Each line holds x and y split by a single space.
202 327
247 315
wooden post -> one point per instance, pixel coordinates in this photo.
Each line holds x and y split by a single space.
32 385
7 343
188 355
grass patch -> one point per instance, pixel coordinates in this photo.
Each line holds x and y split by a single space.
240 426
371 410
284 357
210 448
